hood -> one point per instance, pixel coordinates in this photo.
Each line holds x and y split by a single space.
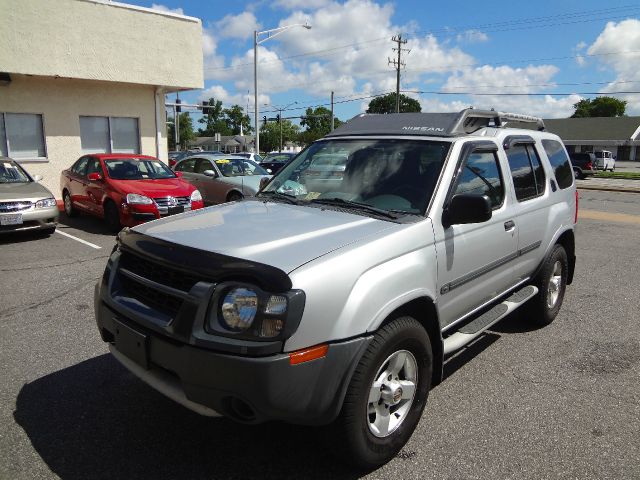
250 182
282 235
23 191
162 187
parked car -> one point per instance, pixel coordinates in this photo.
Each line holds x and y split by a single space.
174 157
338 306
24 203
125 189
325 171
250 155
605 160
222 178
583 164
272 162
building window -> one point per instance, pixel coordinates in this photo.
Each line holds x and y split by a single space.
109 135
22 136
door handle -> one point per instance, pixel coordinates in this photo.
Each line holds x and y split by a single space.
509 225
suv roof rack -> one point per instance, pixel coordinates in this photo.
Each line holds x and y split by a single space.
465 122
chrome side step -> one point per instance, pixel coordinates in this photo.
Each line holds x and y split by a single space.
472 330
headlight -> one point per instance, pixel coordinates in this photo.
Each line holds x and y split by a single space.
246 311
134 198
239 309
46 203
196 196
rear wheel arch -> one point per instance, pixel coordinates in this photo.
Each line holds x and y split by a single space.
568 241
423 309
234 195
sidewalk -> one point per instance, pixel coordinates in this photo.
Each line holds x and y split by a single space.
610 184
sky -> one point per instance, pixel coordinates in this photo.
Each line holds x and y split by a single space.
551 53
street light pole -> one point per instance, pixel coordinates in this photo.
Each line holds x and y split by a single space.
256 41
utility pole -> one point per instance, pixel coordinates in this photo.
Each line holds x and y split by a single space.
332 122
398 64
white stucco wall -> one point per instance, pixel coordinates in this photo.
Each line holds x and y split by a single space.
62 101
100 40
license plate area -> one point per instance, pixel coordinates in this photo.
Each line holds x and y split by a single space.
174 210
11 219
132 343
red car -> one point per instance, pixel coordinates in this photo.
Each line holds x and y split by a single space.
125 189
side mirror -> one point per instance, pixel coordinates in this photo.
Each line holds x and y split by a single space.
178 174
466 208
264 181
94 177
37 178
210 173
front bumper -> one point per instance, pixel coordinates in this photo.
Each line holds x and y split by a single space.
246 389
33 219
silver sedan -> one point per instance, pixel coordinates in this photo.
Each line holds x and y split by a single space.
222 178
24 203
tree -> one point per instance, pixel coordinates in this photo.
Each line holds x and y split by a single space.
270 134
387 104
600 107
318 123
214 120
235 117
186 131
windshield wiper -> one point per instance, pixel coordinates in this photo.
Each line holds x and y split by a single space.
340 202
281 196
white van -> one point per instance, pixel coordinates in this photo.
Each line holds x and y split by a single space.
605 160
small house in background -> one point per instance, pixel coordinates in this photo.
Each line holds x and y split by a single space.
88 76
619 135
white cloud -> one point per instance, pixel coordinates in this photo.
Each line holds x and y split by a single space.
162 8
472 36
239 26
620 37
209 44
301 4
220 93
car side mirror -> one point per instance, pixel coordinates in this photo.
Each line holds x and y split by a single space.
94 177
178 174
37 178
264 181
210 173
466 208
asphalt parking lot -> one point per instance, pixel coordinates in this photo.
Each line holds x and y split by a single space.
557 402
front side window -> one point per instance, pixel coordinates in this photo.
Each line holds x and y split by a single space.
481 176
526 171
559 162
236 167
137 169
203 165
22 135
109 135
94 166
396 176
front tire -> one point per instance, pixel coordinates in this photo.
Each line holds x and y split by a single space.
234 197
551 283
112 217
386 396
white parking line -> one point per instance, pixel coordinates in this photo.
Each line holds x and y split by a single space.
92 245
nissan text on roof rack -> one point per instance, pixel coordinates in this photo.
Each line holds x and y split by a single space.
336 303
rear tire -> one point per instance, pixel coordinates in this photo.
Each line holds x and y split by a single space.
551 283
386 396
69 209
112 217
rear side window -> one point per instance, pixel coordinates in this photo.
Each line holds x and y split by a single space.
526 171
560 162
481 175
186 165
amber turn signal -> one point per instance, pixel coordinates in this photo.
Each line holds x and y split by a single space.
308 354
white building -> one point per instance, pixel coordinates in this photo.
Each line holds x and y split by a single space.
86 76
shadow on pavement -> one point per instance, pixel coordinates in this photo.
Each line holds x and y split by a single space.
22 237
96 420
85 223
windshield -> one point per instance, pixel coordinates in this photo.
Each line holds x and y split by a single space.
239 167
389 175
11 172
278 157
137 169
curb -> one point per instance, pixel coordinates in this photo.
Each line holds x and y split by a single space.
607 188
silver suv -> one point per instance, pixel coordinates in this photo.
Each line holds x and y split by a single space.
336 303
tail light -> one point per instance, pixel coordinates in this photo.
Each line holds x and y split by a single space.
575 220
589 166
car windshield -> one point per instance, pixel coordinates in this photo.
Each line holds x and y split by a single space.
137 169
11 172
278 157
388 175
238 167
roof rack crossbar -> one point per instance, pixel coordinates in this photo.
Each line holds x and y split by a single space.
471 119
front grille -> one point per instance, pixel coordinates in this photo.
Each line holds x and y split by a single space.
157 272
10 207
155 299
166 202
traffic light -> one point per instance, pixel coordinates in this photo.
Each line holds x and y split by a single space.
178 107
205 110
264 120
278 118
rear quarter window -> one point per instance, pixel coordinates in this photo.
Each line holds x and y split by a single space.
559 162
